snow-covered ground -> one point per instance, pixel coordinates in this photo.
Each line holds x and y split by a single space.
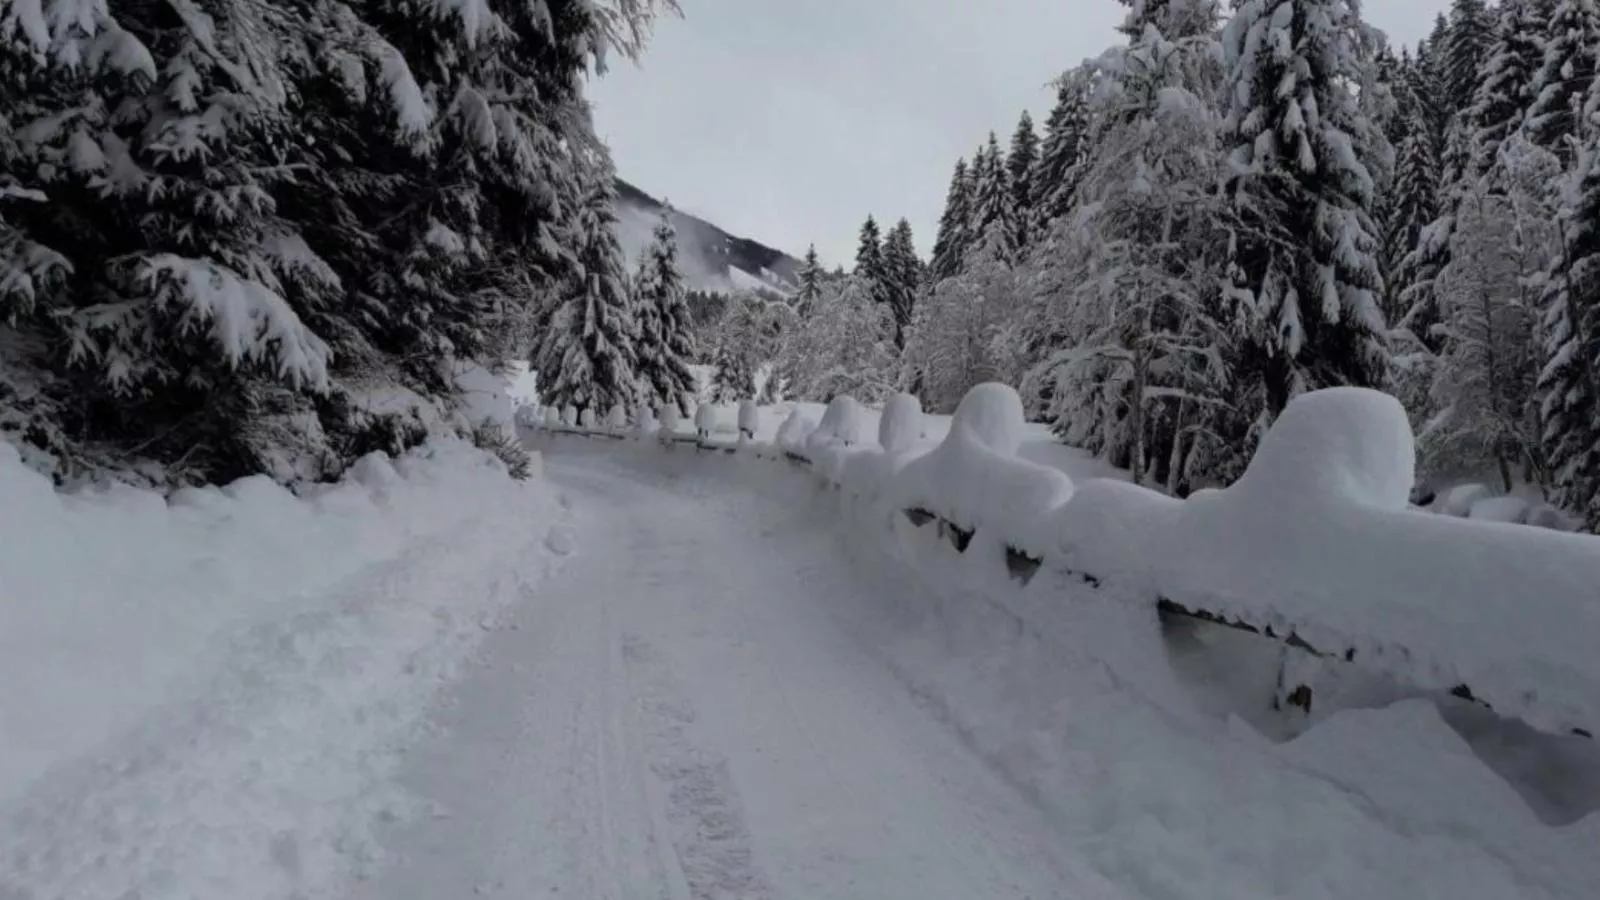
205 696
1130 740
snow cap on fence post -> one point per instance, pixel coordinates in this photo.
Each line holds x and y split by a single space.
552 417
671 415
900 427
793 432
569 416
705 419
1346 443
991 414
749 419
617 418
587 418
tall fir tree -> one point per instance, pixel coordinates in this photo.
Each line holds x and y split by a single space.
1505 91
1427 83
869 257
1413 206
1471 31
993 220
1021 163
1568 387
588 357
666 329
950 246
1571 62
902 277
1306 251
1055 179
810 278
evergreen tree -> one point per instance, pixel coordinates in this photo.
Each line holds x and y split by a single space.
1569 67
1020 165
1506 90
1570 338
1413 206
902 278
1054 183
1471 30
993 217
1306 251
666 330
869 257
951 244
810 291
589 355
1427 84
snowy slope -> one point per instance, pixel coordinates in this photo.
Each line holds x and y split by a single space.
710 258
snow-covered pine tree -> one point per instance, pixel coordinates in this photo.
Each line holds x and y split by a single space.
902 278
993 217
869 258
1505 90
588 357
810 289
1020 165
1471 31
1570 348
666 332
1571 62
1427 83
1413 205
951 244
1054 181
1305 252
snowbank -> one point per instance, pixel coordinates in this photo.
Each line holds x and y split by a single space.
975 480
115 602
1317 539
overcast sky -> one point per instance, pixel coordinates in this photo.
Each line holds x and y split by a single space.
788 122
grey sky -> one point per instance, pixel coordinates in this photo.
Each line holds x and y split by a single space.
788 122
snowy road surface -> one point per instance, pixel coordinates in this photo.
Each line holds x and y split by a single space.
676 716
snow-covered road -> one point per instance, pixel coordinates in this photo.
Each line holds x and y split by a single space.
676 715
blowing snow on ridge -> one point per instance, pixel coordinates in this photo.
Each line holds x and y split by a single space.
711 259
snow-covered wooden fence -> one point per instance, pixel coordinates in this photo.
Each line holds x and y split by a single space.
1314 547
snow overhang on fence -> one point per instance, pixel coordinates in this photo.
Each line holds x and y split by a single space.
1315 546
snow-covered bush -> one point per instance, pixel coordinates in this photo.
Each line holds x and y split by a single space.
504 445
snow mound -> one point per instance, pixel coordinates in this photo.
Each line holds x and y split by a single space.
749 418
1458 501
975 480
1310 543
1353 444
484 396
795 431
617 419
1500 509
842 432
900 428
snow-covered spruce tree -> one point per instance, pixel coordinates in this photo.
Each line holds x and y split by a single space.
951 243
1140 374
1571 62
1471 32
1482 410
1021 163
1505 90
1426 81
810 289
1305 249
1066 133
748 338
666 334
588 357
993 216
902 273
1570 348
869 256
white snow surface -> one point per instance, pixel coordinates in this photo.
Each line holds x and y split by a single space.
1071 694
217 683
